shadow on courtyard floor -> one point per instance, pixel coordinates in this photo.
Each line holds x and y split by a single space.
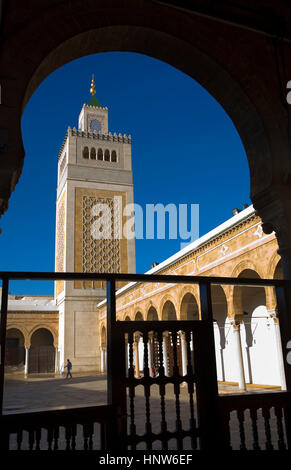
38 393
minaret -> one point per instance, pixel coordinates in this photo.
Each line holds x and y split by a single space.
94 186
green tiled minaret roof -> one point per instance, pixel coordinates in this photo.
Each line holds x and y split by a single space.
93 100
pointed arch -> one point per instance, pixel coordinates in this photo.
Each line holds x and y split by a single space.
86 152
107 155
152 314
93 153
169 311
114 156
100 154
189 309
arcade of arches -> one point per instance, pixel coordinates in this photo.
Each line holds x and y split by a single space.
32 338
246 329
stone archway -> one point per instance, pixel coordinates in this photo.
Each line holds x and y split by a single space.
261 357
152 314
15 350
138 316
245 298
189 307
219 310
185 40
169 311
41 352
169 314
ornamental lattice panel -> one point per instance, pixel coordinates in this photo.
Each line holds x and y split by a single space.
60 255
60 243
100 254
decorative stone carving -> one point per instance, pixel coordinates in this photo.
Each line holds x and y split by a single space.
99 255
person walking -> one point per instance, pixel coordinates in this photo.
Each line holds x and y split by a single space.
69 367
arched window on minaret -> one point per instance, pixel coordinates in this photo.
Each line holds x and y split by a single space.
107 155
100 154
86 152
113 156
93 153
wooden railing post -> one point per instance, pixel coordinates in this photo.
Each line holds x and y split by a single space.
116 387
4 305
206 377
284 314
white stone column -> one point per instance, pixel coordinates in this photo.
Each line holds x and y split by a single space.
184 353
165 353
102 368
273 316
56 360
26 360
239 356
105 359
103 365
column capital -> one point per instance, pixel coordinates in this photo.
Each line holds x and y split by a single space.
137 336
182 335
273 314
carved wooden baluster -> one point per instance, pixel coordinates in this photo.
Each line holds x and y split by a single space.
147 389
91 434
177 391
253 413
162 392
68 437
88 431
56 437
131 390
241 417
266 415
50 434
30 439
191 391
130 354
281 440
145 355
74 433
19 437
85 436
126 354
37 438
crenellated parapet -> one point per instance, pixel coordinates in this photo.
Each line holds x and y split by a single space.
89 106
95 135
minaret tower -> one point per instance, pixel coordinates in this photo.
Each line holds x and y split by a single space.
94 186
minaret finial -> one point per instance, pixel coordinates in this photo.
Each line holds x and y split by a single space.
92 89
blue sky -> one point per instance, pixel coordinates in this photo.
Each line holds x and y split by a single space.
185 149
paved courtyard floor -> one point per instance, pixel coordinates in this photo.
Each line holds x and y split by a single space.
44 392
